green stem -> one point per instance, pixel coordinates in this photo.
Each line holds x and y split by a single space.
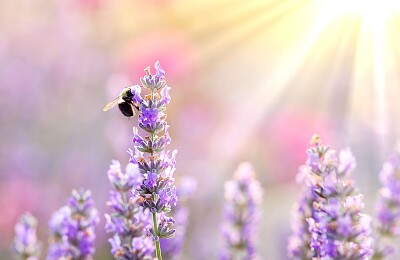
157 242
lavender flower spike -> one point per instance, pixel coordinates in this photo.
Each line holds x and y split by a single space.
243 196
127 221
388 206
157 192
72 228
337 227
25 245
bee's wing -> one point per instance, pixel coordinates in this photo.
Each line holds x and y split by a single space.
111 104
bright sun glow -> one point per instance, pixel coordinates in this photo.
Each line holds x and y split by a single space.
347 50
375 24
376 10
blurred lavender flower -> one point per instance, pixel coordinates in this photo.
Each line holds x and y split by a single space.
300 240
157 191
388 207
127 220
25 245
172 248
243 195
337 228
72 228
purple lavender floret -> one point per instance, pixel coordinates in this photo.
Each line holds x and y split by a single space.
388 207
243 196
127 221
26 245
164 228
72 228
140 248
136 90
154 82
337 227
172 248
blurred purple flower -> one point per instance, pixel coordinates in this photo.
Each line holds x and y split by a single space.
388 206
172 248
12 209
124 181
127 221
243 196
300 240
336 227
26 245
72 228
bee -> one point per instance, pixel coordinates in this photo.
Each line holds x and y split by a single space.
125 103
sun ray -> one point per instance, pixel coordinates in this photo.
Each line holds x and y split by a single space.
329 51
